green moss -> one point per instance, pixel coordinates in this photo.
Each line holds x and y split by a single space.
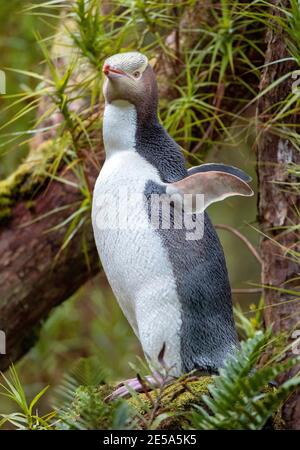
178 396
277 421
31 174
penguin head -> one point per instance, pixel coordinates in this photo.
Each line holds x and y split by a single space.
130 77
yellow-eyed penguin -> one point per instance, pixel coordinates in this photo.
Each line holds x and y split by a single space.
172 287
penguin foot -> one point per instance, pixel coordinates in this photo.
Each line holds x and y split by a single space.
146 384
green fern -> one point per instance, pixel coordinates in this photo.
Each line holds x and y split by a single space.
89 411
80 401
240 398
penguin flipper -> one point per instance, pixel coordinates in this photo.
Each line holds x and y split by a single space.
213 185
208 167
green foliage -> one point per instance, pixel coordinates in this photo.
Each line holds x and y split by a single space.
249 322
80 401
218 64
27 417
19 50
89 411
292 27
239 399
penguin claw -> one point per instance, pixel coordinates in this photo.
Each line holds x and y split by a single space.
125 388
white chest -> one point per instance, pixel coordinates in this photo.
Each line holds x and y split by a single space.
131 252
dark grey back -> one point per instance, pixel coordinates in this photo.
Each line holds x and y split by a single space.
160 150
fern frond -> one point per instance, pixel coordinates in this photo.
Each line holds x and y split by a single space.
80 404
240 398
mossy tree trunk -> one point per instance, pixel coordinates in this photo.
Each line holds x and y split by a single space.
34 274
279 203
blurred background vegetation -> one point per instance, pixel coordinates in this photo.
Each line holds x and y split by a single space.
19 51
90 324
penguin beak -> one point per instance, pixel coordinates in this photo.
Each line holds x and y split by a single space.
112 72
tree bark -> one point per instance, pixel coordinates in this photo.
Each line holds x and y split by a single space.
34 274
278 203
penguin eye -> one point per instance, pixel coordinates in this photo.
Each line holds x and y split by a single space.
136 74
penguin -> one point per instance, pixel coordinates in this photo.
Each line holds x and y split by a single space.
173 289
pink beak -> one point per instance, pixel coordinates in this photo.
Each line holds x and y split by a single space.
110 71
